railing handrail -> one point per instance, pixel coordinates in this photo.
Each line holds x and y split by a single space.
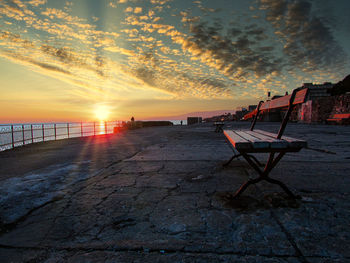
21 130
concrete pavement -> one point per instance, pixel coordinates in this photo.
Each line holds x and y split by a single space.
161 195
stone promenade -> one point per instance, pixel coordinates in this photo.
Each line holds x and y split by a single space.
162 195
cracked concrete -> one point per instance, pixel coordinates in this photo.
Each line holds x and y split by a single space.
162 195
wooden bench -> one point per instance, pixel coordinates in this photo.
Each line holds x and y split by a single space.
246 142
341 118
219 126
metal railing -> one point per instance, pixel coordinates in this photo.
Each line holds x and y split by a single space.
14 135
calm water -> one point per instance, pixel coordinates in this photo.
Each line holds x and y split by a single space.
178 122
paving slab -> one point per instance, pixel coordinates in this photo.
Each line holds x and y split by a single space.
162 195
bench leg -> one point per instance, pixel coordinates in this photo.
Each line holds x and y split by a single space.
264 175
283 186
245 186
237 155
256 160
229 161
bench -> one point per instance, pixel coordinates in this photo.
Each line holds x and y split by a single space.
341 118
248 142
219 126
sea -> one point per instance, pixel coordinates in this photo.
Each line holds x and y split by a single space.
178 122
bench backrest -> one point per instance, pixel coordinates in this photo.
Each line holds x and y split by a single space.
298 96
283 102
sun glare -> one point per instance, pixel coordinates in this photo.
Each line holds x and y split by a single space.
102 113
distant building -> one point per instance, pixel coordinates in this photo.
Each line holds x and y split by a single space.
241 113
241 109
317 90
252 107
194 120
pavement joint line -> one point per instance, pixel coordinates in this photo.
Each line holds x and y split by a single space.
99 172
9 227
115 248
157 250
5 228
289 236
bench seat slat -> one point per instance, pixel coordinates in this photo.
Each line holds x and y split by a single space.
237 141
294 143
274 143
256 143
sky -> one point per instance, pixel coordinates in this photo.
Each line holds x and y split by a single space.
84 60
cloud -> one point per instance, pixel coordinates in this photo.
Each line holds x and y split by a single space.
37 2
18 57
308 39
111 4
138 10
236 57
160 2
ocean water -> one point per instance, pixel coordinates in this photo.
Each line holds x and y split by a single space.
178 122
175 122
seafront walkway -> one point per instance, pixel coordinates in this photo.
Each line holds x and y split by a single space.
161 195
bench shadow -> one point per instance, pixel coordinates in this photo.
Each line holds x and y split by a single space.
250 203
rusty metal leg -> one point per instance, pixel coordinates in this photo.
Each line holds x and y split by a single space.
245 186
274 181
229 161
275 162
252 164
255 159
250 181
263 175
283 186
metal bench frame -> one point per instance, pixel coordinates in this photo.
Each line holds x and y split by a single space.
272 160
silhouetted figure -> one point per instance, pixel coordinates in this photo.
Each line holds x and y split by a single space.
181 123
132 118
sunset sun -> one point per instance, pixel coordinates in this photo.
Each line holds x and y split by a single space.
102 113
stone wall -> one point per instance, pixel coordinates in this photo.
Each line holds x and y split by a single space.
319 110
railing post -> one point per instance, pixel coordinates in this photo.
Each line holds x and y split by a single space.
94 128
81 129
31 131
105 127
68 129
55 131
43 129
13 141
24 141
